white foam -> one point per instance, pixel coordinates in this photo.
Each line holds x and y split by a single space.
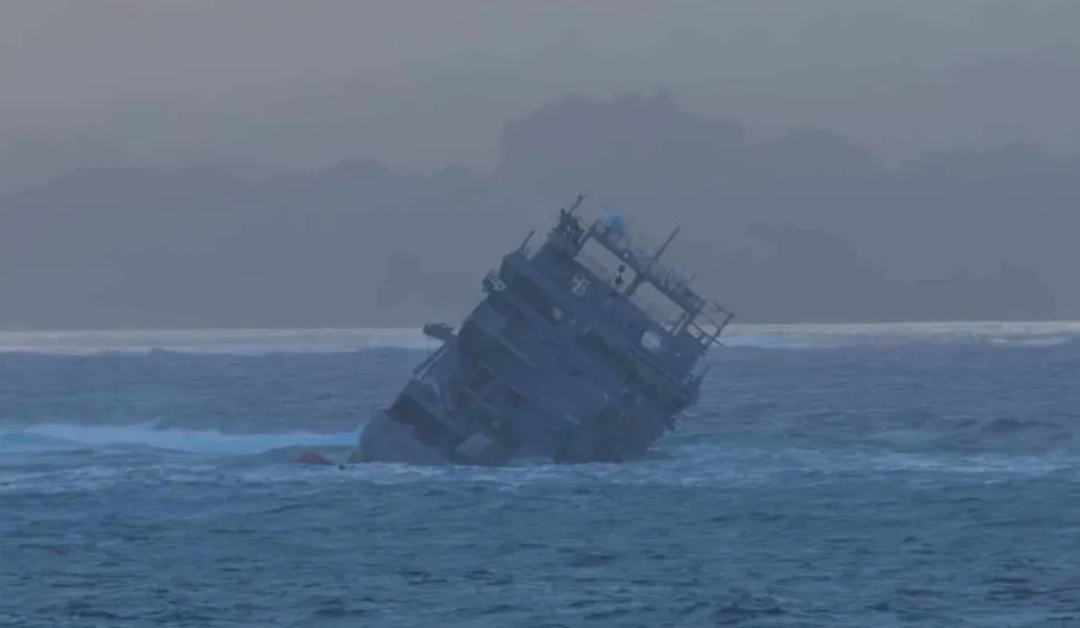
236 342
51 436
816 336
1048 340
264 341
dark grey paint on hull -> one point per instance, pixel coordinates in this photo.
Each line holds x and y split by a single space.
386 440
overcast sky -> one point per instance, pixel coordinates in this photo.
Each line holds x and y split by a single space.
421 83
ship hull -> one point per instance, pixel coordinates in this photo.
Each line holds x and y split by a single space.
388 441
384 440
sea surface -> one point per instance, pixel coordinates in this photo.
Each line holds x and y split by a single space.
864 476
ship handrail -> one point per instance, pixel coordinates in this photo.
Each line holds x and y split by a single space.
421 370
654 313
646 262
651 310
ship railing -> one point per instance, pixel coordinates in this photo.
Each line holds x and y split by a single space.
698 333
657 315
705 328
644 257
664 319
623 244
715 309
421 371
708 322
674 284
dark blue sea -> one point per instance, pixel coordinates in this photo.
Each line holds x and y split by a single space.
831 476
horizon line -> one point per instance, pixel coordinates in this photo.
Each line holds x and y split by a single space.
418 328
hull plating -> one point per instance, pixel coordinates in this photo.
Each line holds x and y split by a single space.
384 440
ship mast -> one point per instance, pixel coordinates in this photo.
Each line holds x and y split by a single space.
642 276
577 203
664 246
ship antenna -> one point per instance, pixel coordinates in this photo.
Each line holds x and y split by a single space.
577 203
526 242
664 246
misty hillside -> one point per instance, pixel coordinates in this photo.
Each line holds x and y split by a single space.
807 228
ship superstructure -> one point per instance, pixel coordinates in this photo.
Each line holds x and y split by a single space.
565 358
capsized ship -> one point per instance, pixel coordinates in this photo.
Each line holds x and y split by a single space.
565 358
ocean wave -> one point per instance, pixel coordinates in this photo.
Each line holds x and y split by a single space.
1005 335
712 464
230 342
260 342
267 459
1049 340
54 436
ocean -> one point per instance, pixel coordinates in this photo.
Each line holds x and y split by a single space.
831 476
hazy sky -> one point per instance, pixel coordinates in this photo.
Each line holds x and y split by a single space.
420 83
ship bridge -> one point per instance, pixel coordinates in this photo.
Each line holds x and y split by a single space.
702 318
